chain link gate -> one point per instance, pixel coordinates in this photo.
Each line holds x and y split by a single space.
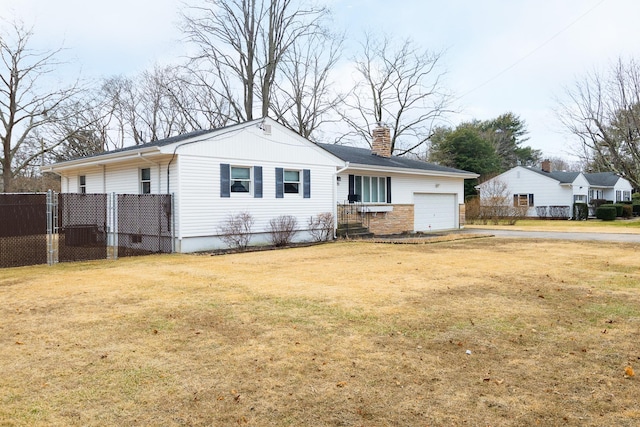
82 227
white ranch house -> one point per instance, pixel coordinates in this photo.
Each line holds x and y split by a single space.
265 169
542 187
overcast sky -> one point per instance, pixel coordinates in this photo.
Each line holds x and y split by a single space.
500 55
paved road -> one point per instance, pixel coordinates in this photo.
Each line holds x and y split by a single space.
604 237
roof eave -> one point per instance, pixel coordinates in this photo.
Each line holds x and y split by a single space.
373 168
102 159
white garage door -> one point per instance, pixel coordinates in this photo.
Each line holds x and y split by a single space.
434 211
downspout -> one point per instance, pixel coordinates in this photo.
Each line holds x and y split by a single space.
104 179
335 197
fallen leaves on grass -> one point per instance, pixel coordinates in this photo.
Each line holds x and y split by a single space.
629 372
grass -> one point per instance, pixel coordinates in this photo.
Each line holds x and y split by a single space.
344 334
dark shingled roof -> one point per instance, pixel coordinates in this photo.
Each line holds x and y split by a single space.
363 156
562 177
600 179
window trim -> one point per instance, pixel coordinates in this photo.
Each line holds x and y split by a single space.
249 180
144 181
382 188
297 183
82 184
519 197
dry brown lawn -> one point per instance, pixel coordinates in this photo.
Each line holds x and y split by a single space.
482 332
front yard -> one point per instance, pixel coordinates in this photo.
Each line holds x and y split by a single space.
474 332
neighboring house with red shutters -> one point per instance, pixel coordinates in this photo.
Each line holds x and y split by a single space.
265 169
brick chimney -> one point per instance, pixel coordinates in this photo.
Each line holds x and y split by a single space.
546 165
381 143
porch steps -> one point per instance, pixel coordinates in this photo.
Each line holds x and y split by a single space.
353 230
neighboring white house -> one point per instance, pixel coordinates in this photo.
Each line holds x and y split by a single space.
533 187
265 169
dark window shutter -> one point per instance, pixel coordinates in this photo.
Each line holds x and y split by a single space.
279 183
257 182
306 183
515 200
225 180
352 185
388 189
530 199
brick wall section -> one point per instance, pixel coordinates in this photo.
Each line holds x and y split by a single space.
463 217
395 222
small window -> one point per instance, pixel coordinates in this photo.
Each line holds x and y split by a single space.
291 182
523 200
240 180
626 196
82 184
145 181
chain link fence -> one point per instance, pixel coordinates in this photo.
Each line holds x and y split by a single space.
82 231
23 229
40 228
144 224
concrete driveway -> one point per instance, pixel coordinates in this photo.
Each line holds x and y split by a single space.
560 235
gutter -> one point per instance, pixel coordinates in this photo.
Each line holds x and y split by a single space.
98 160
466 175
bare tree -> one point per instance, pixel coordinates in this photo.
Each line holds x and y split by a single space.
603 111
157 104
241 44
31 112
399 85
305 99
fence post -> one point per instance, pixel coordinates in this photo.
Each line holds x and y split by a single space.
172 198
52 227
112 226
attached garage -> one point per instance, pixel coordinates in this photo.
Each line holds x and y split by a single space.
434 211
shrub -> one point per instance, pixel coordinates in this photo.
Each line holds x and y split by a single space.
472 209
282 229
235 231
541 211
636 209
618 207
635 197
559 212
596 203
627 211
321 227
515 213
580 211
606 213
